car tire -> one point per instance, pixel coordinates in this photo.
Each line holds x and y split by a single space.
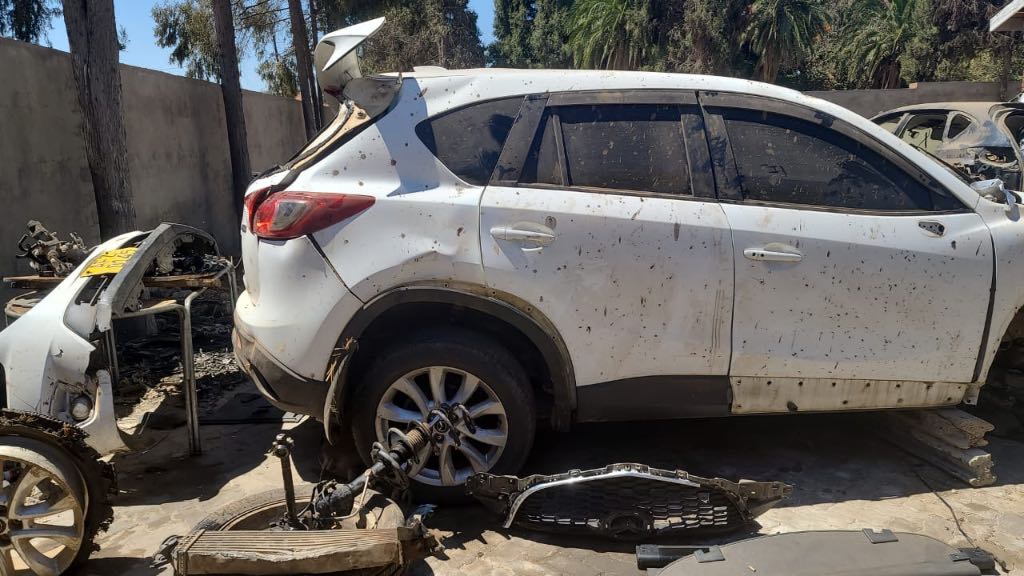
464 354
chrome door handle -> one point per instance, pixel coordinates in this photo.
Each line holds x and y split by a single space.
774 253
539 237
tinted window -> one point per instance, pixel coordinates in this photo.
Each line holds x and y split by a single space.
468 141
636 147
784 159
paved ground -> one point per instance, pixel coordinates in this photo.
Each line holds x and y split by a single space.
845 478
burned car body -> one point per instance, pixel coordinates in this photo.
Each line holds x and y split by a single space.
58 358
981 140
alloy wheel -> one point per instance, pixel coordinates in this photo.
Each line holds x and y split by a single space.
42 509
481 425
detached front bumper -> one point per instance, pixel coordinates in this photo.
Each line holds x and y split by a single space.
281 387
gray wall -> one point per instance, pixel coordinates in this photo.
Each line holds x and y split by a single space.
872 102
177 148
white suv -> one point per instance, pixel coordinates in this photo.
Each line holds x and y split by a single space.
504 245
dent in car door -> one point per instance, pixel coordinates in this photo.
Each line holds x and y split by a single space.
857 286
611 243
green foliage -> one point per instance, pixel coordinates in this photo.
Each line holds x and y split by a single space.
878 40
612 34
782 32
424 33
186 27
27 20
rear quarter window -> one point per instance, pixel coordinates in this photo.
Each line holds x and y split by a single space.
468 140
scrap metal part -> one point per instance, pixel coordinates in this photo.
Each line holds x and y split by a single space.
625 501
54 441
828 553
49 255
59 358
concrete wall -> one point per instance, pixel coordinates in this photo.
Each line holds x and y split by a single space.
873 102
43 171
177 148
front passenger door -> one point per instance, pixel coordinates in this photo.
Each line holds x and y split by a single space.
854 272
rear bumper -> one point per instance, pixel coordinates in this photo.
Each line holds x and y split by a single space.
281 387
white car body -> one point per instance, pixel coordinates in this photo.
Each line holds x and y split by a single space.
655 306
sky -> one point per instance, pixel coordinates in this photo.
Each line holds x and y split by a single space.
135 16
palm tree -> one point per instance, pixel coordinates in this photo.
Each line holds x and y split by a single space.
610 34
878 40
782 31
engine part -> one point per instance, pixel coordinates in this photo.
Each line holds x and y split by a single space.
833 553
55 495
625 501
48 254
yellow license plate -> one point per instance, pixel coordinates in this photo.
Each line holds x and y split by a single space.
110 262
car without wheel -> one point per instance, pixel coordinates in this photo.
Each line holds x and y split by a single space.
498 247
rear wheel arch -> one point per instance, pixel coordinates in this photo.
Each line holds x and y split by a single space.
507 319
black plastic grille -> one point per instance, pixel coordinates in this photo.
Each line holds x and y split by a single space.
629 505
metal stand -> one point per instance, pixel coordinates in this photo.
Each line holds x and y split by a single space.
184 312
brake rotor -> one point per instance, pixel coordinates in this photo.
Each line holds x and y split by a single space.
54 495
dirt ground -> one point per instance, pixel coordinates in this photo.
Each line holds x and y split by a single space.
844 476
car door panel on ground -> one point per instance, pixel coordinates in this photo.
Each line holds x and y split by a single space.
611 240
872 272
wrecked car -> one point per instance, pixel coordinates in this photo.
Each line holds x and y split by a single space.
58 357
515 245
981 140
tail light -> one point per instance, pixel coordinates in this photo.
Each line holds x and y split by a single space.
286 215
252 202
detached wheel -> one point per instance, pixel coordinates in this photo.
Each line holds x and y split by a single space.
54 495
459 372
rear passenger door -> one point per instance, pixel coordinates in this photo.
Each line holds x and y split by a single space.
601 215
854 270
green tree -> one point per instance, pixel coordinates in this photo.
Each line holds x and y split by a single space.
531 34
878 40
611 34
27 20
513 25
782 32
422 33
187 28
706 38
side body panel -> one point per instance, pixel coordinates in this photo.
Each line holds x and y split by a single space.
873 298
637 286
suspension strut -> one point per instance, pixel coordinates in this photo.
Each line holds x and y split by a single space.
391 464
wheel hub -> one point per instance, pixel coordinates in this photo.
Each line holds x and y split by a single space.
467 422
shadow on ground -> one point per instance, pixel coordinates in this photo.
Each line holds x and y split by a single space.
827 458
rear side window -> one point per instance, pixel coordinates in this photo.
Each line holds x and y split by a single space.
957 124
784 159
468 140
636 147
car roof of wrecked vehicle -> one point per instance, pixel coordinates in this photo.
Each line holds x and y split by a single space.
980 110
